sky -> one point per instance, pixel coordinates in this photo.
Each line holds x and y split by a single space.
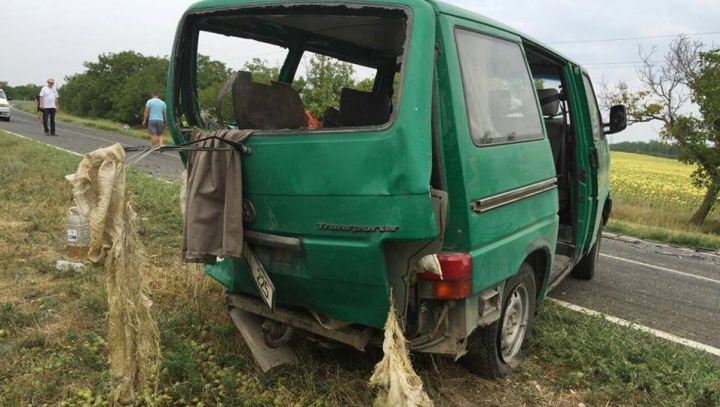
50 38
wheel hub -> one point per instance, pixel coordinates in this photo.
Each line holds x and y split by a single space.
515 320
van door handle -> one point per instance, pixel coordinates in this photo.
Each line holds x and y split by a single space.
594 160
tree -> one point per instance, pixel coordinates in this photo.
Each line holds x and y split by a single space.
111 87
653 147
211 72
22 92
116 86
261 70
699 137
325 79
129 105
685 75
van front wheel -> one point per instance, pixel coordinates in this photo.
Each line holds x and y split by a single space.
500 347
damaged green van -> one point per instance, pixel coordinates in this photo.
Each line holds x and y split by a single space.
477 149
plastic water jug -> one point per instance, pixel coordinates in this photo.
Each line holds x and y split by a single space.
78 234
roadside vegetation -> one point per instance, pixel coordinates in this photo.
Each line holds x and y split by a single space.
21 92
653 147
53 326
654 198
687 76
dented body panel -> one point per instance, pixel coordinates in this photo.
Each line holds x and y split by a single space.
344 194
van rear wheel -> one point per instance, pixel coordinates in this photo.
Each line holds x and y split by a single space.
500 347
585 269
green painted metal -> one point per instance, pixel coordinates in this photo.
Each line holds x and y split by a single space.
301 179
298 180
500 239
583 187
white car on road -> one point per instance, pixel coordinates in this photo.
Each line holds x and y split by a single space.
4 107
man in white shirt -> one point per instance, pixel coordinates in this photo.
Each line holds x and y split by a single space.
49 103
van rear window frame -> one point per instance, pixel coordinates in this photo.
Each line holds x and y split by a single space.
456 29
191 32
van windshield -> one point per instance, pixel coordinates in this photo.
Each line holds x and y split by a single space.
2 95
293 68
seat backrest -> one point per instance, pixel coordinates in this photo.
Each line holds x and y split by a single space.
556 133
358 108
549 102
500 103
266 107
556 128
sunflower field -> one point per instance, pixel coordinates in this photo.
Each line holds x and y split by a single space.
654 198
655 182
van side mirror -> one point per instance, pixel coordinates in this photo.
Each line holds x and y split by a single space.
618 119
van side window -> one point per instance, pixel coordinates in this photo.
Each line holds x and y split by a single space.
594 111
499 92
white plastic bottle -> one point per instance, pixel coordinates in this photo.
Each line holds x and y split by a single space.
64 265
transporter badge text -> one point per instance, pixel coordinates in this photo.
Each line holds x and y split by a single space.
358 229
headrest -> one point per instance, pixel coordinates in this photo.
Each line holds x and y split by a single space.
266 107
500 103
359 108
549 101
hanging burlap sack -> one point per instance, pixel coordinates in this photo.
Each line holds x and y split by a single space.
134 339
397 383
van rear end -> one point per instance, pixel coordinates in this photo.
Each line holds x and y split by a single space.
335 213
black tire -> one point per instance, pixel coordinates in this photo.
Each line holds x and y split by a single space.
485 355
585 269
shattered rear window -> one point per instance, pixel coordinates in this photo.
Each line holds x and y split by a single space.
294 67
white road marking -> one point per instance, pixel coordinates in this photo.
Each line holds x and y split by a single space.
89 136
71 152
40 142
661 268
642 328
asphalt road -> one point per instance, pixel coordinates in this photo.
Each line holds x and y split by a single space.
166 165
665 288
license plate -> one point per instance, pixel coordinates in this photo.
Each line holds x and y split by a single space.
261 277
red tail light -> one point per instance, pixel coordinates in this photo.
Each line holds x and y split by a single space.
456 280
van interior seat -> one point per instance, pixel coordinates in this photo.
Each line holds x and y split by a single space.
358 108
555 126
266 107
500 102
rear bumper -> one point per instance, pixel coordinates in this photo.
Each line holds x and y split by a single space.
355 336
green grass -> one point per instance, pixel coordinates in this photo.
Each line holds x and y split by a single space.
53 326
675 236
98 124
622 364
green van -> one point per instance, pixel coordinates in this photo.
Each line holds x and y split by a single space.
477 148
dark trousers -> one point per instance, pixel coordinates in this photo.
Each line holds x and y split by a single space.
49 113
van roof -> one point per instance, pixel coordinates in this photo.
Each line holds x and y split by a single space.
440 6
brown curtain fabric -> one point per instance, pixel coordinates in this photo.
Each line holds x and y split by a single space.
213 216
